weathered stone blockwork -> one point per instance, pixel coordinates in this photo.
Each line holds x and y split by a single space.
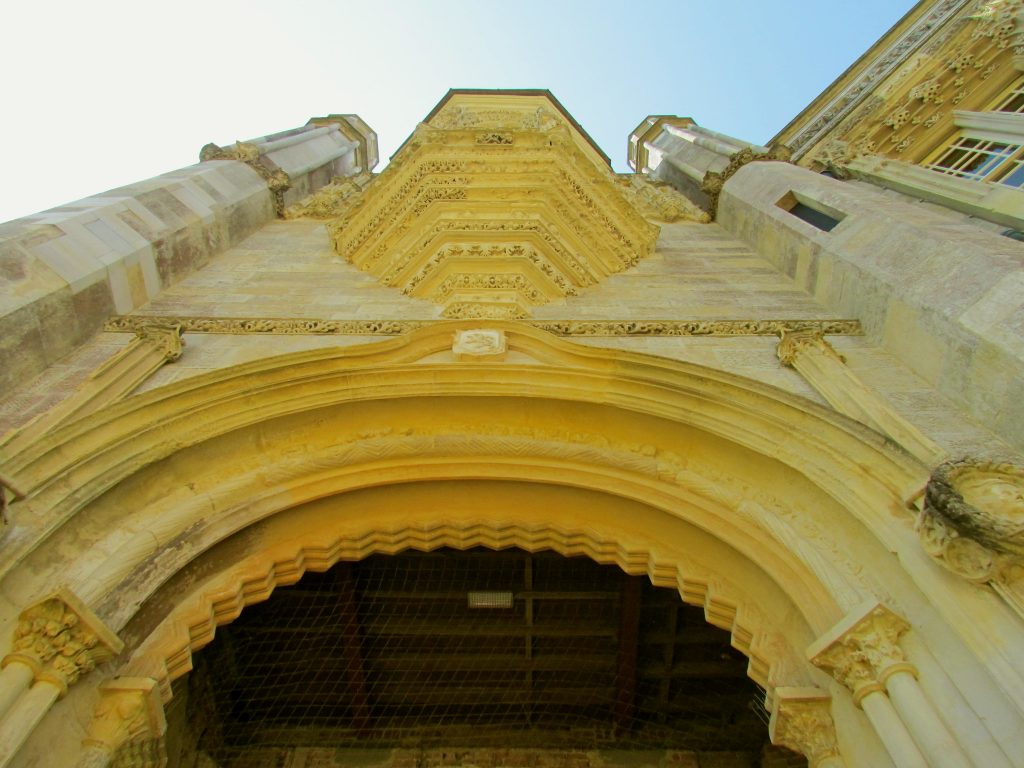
934 289
67 269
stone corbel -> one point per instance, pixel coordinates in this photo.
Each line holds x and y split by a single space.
802 721
277 181
154 346
972 523
129 712
825 369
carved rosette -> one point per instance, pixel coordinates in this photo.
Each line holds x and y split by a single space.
972 523
60 639
865 652
802 721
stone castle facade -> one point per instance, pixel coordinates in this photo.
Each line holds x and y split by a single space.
785 382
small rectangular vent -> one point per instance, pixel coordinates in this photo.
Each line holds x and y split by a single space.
816 214
490 599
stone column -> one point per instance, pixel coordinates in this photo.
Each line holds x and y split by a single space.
825 370
297 162
863 653
153 347
129 710
695 160
59 639
802 721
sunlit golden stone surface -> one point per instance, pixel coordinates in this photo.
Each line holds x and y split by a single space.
498 203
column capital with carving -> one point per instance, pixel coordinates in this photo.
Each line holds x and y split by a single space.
862 651
795 343
166 338
61 639
802 721
129 710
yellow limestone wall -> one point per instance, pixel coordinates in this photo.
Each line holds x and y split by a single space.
327 417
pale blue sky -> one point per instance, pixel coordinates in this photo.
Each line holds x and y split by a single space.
104 93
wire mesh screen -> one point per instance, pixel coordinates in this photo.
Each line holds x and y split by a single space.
471 648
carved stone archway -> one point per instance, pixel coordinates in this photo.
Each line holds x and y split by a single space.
141 490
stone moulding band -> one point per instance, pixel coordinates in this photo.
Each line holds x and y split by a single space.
312 326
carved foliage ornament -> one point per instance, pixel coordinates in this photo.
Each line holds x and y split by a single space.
61 641
317 326
332 200
865 651
430 223
972 521
277 181
713 181
802 721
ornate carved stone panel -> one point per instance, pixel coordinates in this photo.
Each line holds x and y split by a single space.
496 204
972 523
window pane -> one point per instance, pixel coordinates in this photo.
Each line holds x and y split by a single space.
1014 178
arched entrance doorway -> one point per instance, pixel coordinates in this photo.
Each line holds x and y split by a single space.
469 656
172 511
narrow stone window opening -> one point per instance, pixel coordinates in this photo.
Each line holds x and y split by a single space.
814 213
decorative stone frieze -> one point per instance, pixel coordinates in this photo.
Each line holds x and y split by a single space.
972 523
902 103
60 639
316 326
802 721
713 181
657 200
497 203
